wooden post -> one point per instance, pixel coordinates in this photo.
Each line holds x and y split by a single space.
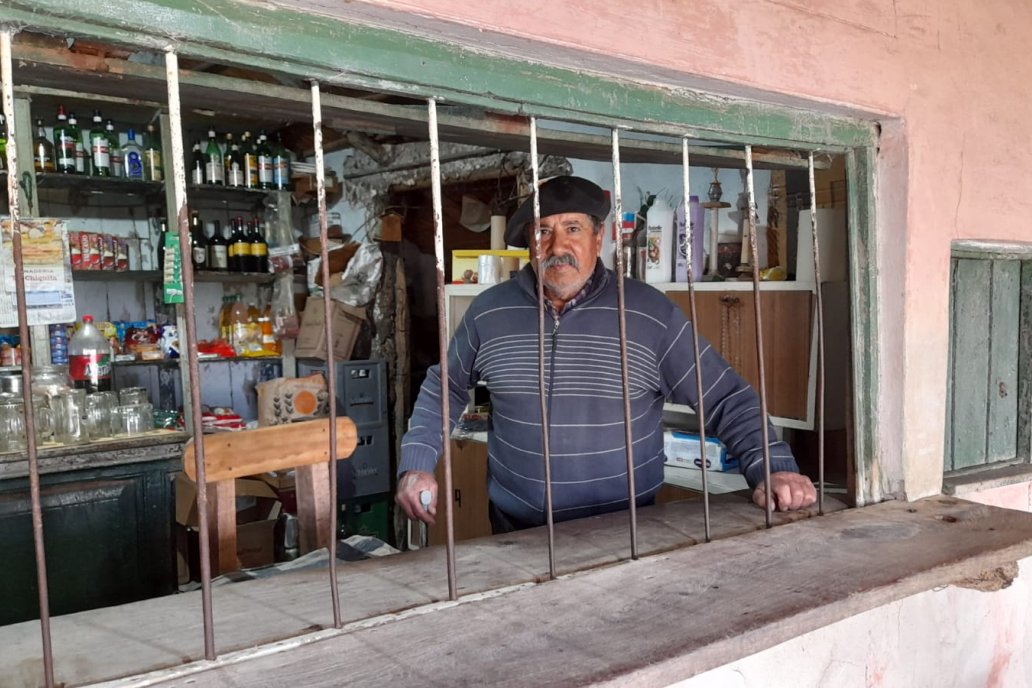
313 506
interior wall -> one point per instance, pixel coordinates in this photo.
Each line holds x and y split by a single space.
953 72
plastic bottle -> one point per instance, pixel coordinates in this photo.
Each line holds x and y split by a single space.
224 331
89 358
659 242
238 325
695 217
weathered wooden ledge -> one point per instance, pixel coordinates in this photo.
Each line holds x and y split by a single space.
653 621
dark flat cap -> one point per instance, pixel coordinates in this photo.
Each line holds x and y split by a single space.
558 195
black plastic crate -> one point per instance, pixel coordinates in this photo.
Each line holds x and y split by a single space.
361 388
367 471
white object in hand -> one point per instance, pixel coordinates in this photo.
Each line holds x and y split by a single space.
424 499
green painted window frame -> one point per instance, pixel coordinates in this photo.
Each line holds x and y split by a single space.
336 51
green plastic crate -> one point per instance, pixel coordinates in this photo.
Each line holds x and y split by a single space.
366 516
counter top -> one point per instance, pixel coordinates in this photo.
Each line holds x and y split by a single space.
160 444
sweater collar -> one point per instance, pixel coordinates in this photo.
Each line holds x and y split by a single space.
592 288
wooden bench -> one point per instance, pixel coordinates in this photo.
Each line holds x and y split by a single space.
304 447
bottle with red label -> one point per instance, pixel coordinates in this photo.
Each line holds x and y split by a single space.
89 358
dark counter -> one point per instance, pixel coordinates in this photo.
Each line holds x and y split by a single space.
108 511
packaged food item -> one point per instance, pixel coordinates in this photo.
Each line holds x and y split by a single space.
107 255
75 250
285 400
121 254
143 340
170 341
85 244
58 344
96 251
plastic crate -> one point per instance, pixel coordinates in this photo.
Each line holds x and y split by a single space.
366 516
361 388
367 471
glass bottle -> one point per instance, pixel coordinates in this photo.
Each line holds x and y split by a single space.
196 165
214 170
233 163
259 248
198 242
42 150
115 147
100 147
152 156
77 142
161 246
264 162
64 143
218 249
239 247
250 156
132 153
280 165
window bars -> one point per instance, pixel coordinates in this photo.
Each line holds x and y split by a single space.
182 215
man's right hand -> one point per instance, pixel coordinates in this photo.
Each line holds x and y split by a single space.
410 485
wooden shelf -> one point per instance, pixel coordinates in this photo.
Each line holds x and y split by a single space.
113 276
236 195
89 184
155 276
174 362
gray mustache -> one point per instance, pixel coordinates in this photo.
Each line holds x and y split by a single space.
555 261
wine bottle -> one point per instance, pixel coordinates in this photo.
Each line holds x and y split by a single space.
42 150
100 148
264 162
239 248
259 248
64 143
115 147
197 165
198 242
214 170
152 156
250 156
218 248
233 163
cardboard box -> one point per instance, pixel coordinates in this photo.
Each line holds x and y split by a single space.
464 262
682 449
311 340
258 509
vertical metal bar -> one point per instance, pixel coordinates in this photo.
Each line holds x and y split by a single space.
442 339
331 364
7 79
545 428
689 234
820 338
621 313
764 425
175 122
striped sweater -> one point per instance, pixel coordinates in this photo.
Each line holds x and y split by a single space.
497 343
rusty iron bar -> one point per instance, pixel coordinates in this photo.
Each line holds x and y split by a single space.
621 313
693 312
442 339
545 428
7 77
175 122
819 402
331 370
764 425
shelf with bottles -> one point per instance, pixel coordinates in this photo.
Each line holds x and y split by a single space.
154 276
233 168
98 185
95 149
175 362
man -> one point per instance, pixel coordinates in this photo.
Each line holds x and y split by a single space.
497 343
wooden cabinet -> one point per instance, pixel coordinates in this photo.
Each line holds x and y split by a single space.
107 531
469 493
728 321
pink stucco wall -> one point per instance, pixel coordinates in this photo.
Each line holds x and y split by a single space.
952 77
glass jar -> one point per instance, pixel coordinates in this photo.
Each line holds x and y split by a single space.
50 380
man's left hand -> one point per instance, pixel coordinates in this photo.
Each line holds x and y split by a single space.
791 491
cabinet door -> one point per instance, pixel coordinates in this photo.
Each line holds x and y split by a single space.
727 321
469 493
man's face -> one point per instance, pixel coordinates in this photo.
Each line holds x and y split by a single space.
569 249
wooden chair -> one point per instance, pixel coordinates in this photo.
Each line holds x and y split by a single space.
304 447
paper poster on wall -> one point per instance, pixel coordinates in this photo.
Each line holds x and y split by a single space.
49 293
